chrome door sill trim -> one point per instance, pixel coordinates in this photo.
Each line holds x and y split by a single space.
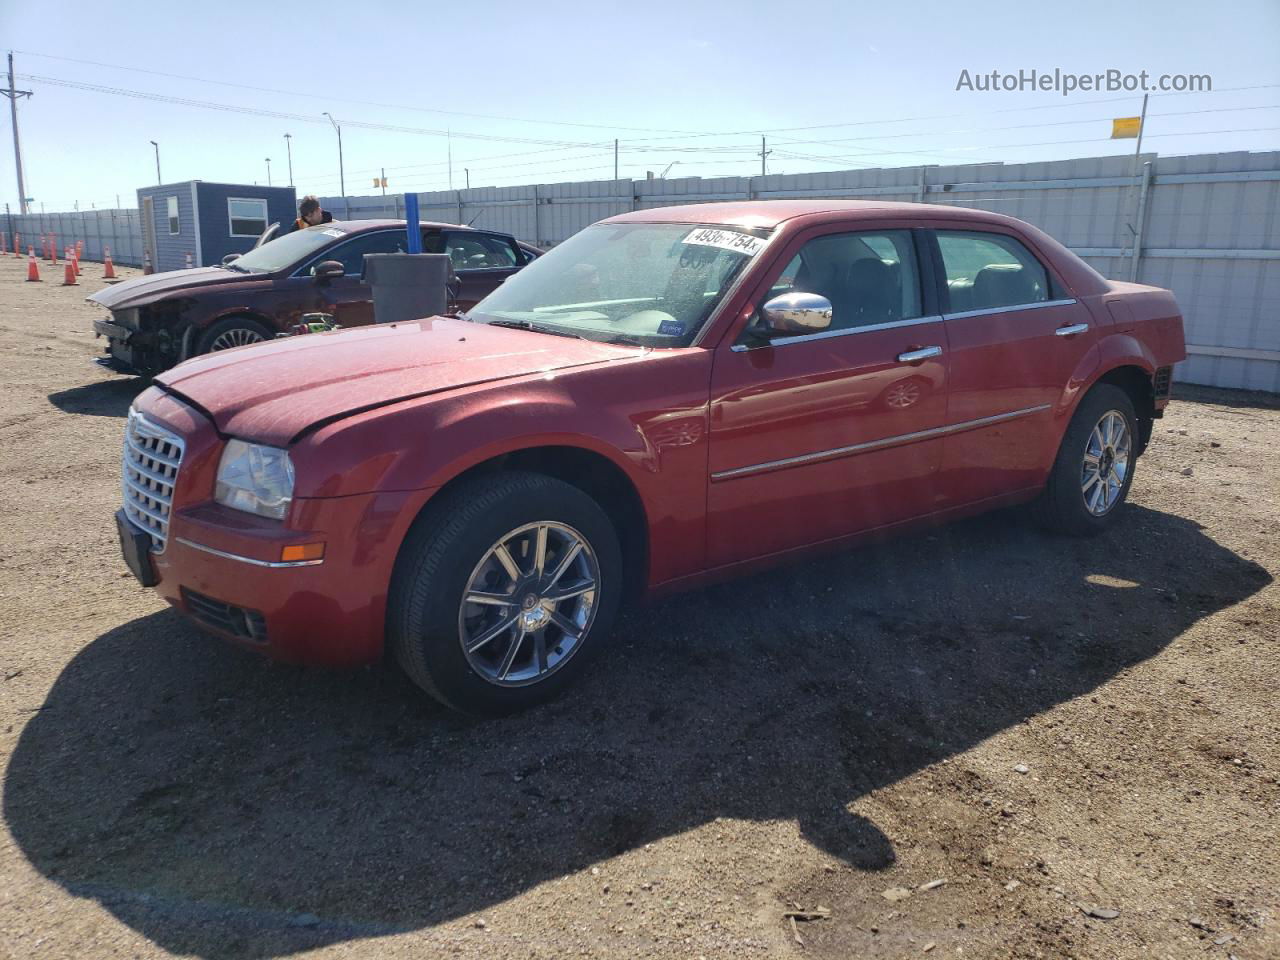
274 564
876 444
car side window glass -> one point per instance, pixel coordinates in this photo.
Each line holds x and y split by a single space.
986 271
478 251
870 278
352 252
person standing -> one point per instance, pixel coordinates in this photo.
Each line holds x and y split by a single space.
311 214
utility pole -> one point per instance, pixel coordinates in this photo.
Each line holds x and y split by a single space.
763 153
268 171
342 177
467 171
288 145
13 95
157 146
449 155
615 159
383 180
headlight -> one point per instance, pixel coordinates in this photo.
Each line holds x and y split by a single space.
255 478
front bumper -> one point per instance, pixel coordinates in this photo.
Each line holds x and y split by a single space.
222 568
126 347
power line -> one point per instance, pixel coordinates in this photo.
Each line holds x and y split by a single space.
328 98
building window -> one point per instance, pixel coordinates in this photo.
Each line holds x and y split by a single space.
173 215
248 218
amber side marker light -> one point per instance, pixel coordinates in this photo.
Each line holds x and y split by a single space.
302 551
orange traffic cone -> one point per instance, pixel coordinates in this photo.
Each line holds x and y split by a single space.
17 244
4 243
33 271
69 278
109 271
79 249
188 261
53 250
146 263
75 259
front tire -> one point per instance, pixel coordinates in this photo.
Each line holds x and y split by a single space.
232 332
503 592
1093 471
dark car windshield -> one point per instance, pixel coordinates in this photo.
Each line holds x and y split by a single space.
653 284
287 250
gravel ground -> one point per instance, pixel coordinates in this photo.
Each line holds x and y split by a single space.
958 743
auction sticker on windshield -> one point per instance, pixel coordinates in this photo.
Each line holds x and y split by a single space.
743 243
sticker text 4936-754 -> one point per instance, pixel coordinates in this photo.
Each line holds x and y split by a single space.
743 243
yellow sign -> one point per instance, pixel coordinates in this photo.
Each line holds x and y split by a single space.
1125 128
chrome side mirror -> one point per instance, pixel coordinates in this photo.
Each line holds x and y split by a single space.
796 312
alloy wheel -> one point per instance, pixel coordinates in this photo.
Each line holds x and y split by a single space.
529 604
1106 463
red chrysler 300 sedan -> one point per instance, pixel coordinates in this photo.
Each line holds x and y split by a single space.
669 397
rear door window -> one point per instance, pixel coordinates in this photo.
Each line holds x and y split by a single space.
481 251
986 271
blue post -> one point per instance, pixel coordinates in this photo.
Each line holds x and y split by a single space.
413 227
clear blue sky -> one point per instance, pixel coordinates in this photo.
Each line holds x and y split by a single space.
659 76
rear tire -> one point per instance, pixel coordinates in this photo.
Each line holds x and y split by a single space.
1093 470
519 645
232 332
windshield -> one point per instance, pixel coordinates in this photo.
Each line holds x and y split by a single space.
653 284
287 250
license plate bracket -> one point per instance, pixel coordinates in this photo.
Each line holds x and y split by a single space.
135 547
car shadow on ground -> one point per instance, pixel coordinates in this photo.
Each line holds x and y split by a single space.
226 807
106 398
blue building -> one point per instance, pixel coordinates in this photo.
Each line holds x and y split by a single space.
208 220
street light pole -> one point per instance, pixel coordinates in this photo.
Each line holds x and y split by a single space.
288 145
268 171
342 177
157 146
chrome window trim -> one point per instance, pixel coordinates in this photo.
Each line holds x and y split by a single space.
837 452
250 560
828 334
1010 309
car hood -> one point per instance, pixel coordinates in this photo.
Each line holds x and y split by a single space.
272 392
143 290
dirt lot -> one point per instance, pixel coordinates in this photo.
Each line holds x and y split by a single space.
1047 726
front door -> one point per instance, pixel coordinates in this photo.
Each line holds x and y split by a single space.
1017 338
819 436
348 298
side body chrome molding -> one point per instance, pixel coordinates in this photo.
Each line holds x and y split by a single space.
249 560
837 452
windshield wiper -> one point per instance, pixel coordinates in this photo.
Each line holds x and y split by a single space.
233 266
535 327
626 339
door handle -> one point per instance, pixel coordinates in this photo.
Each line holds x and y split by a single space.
1072 330
915 356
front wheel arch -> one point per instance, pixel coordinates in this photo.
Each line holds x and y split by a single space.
592 473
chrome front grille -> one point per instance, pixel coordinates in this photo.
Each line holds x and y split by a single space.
152 456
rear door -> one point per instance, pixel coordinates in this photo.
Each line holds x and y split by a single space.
481 261
822 435
1017 336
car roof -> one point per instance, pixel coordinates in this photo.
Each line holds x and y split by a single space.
351 226
768 214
